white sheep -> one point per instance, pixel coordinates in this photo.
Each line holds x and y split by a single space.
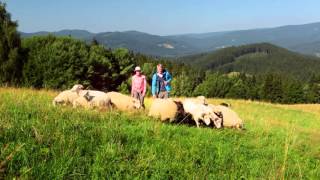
199 111
68 96
165 109
81 102
123 102
230 118
93 93
201 100
101 101
215 117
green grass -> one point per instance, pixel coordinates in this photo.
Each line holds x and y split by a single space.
38 141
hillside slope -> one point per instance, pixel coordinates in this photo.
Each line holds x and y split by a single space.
256 59
40 141
136 41
299 38
292 37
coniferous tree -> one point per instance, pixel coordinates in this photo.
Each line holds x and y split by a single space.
272 88
10 60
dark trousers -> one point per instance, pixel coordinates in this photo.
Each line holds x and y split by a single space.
138 95
163 95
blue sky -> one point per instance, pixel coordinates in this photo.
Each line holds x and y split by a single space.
162 17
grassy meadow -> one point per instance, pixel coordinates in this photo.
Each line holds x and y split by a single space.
39 141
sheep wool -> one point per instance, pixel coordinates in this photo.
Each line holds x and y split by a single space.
198 110
81 102
102 102
165 109
123 102
68 96
230 118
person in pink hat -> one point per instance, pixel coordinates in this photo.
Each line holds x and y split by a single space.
139 85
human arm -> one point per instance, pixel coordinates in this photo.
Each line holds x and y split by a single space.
154 85
132 81
144 86
168 77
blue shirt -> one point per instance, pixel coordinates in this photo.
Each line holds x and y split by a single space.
155 85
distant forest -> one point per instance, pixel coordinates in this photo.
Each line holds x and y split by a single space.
256 72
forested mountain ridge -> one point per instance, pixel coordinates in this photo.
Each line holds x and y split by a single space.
136 41
256 59
300 38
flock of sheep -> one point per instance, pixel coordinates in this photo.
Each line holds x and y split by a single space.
190 110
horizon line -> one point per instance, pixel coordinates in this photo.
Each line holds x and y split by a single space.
181 34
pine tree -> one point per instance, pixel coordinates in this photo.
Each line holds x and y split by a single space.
10 61
272 89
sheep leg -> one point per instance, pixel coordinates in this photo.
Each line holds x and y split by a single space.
197 123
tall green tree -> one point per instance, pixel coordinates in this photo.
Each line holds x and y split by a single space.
293 92
10 59
272 88
313 89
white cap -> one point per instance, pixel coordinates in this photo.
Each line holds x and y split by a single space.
137 68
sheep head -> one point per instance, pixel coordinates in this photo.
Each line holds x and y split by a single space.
217 119
202 99
77 88
206 119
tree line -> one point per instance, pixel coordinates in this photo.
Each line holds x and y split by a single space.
59 62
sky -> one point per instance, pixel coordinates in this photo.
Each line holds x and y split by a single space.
161 17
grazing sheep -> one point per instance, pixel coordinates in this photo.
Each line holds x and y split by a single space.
94 93
81 102
199 111
201 100
123 102
215 116
230 118
101 101
198 99
68 96
165 109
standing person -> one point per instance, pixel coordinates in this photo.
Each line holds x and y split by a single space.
161 83
139 85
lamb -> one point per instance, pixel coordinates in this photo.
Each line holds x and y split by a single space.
165 109
230 118
199 111
123 102
68 96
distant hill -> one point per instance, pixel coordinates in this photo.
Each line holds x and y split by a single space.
256 59
145 43
133 40
308 48
293 37
300 38
81 34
